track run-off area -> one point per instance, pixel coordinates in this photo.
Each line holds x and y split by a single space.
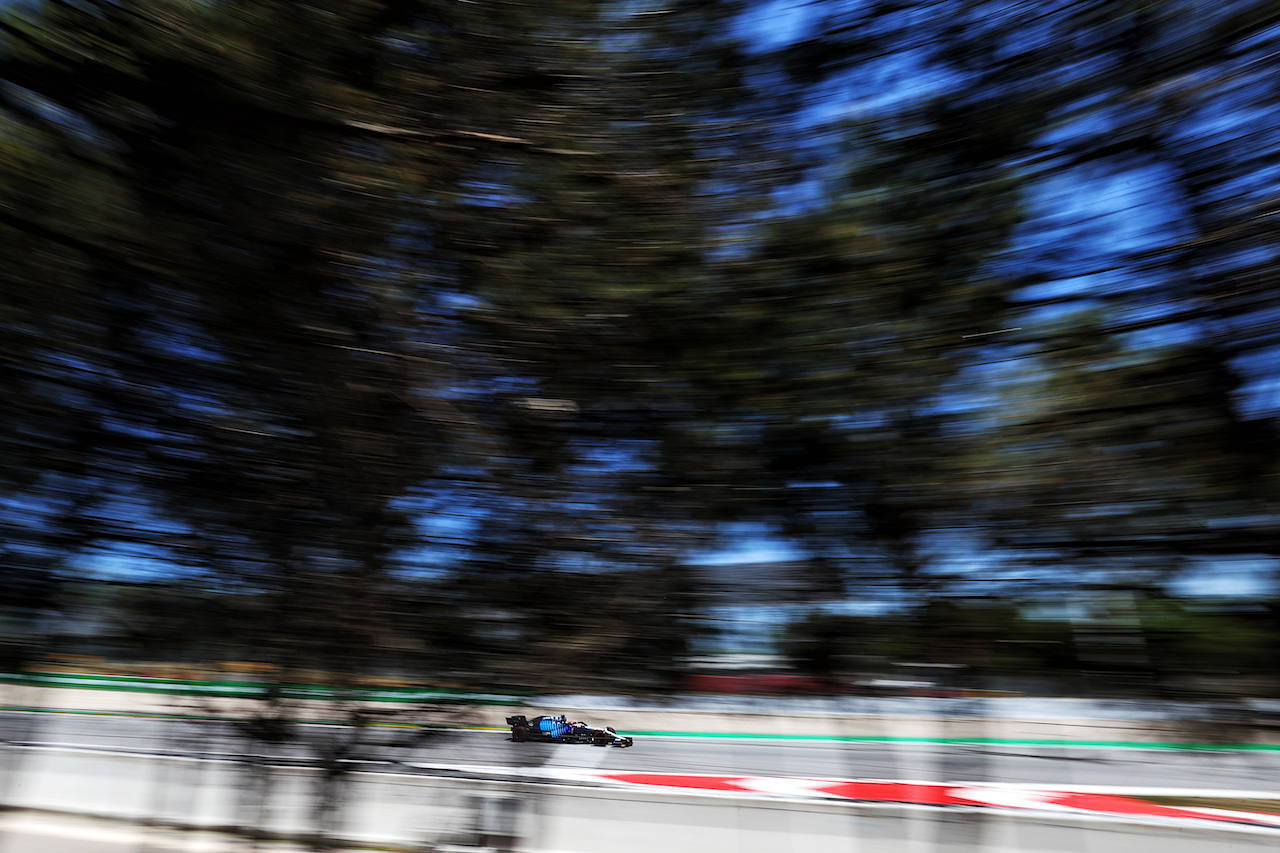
1231 786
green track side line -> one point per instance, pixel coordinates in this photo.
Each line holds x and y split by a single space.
868 739
973 741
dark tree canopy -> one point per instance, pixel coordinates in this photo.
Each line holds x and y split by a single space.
499 308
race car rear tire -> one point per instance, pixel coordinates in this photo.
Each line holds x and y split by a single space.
519 734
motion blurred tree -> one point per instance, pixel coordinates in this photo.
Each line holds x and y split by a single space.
855 312
1126 440
1077 92
581 249
243 356
329 248
597 277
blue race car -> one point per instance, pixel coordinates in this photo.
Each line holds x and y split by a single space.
556 728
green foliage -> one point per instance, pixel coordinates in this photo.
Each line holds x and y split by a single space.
584 281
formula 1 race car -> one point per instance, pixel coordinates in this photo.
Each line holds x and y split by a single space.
558 729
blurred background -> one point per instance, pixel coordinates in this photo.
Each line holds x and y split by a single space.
842 347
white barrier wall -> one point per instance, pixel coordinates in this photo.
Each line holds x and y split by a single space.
425 812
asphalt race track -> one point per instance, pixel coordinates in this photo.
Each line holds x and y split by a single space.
85 743
1208 769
